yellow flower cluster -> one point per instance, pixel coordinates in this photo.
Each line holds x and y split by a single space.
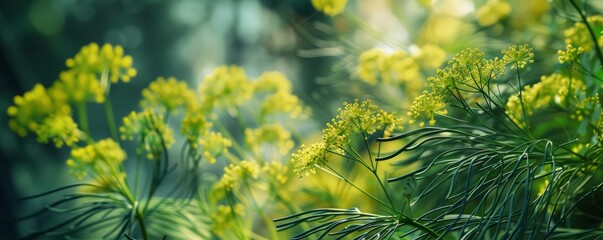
570 54
468 69
518 56
355 118
214 145
107 60
79 87
168 95
194 125
397 67
430 56
277 171
234 173
150 128
426 106
226 86
330 7
282 102
272 82
307 158
32 108
102 157
579 36
466 75
552 89
492 12
45 113
61 129
358 118
279 98
273 134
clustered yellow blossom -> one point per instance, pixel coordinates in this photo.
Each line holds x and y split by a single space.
430 56
226 86
570 54
45 113
102 157
307 158
330 7
272 82
194 125
579 36
426 106
397 67
278 95
235 173
468 69
80 87
276 171
492 12
168 95
518 56
282 102
584 108
150 128
61 129
107 60
552 89
358 118
273 134
355 119
214 145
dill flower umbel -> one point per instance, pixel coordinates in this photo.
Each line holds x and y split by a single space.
234 173
33 107
425 107
80 87
397 67
214 145
194 125
277 171
518 56
107 59
368 65
330 7
492 12
570 54
273 134
579 36
150 128
305 160
226 86
552 89
358 118
282 102
168 95
102 157
272 82
60 128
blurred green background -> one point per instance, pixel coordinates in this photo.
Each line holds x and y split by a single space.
182 38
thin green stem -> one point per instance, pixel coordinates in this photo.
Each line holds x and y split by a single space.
111 119
83 118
